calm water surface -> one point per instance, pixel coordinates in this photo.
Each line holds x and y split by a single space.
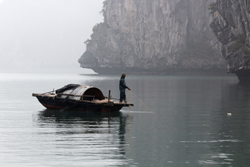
177 121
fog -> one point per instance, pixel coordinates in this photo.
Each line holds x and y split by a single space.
42 34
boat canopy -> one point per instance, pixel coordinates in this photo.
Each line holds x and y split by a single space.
80 92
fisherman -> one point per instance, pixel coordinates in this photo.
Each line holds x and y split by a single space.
123 87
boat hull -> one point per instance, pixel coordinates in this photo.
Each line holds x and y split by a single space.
79 97
63 104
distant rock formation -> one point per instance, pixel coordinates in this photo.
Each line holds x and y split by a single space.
231 25
153 36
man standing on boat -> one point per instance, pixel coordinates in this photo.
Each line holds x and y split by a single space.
123 87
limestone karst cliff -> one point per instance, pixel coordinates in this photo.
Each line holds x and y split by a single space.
231 25
153 36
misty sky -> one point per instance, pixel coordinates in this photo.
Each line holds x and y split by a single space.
45 33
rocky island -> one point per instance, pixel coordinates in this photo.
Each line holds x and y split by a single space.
162 36
153 36
231 26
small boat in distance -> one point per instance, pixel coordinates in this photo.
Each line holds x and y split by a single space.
79 97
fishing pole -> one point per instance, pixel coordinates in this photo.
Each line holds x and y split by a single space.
142 101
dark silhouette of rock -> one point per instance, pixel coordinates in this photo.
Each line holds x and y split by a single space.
231 26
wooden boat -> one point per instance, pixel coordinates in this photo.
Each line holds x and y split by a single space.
79 97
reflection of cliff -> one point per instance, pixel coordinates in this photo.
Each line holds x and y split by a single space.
152 36
97 137
231 27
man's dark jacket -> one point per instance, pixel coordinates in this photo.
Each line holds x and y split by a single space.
122 85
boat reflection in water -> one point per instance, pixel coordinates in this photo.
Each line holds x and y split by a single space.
95 138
